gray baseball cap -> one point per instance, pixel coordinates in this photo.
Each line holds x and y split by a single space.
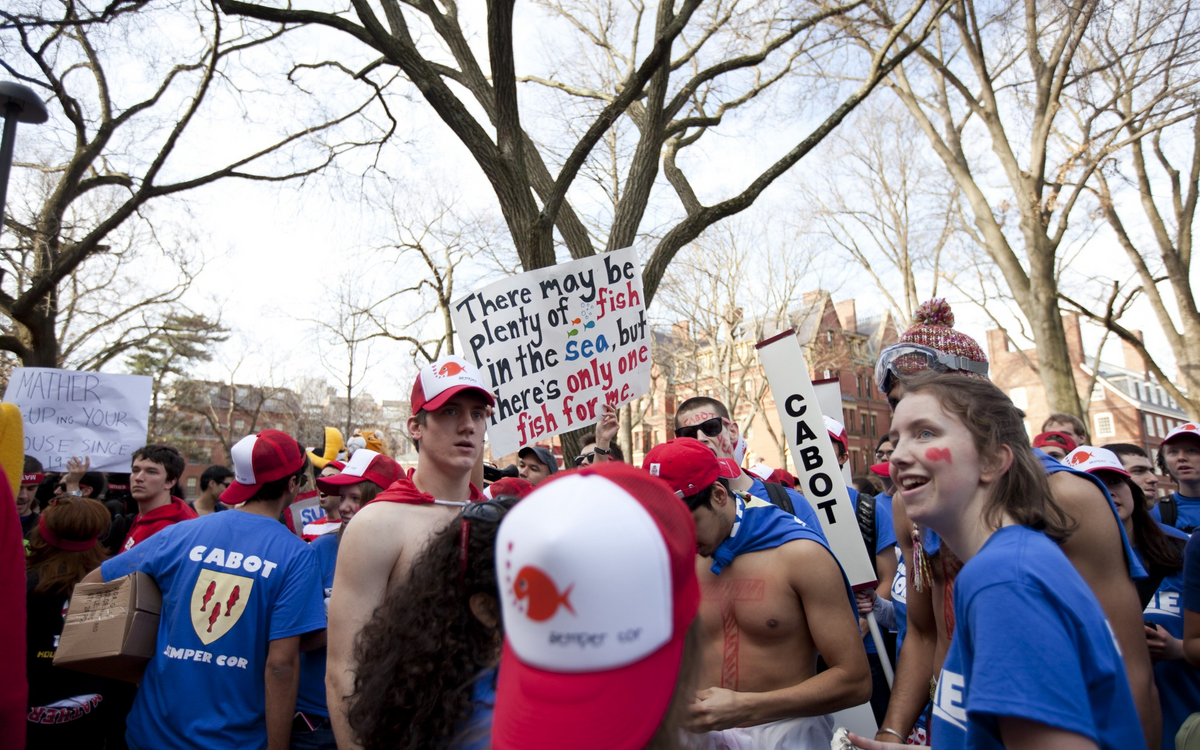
543 455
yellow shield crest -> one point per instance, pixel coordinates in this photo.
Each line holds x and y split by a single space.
218 602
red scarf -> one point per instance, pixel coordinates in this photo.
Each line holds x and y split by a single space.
404 491
148 524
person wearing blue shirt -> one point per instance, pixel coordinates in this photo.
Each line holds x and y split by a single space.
238 592
1033 661
311 729
1179 458
1191 602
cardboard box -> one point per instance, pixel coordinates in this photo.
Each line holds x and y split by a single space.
111 628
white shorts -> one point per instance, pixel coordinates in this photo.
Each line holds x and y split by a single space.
808 733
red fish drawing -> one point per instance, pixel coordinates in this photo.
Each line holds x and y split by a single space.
542 593
215 614
1080 458
208 594
450 369
1189 426
233 597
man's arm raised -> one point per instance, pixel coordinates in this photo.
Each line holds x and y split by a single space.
367 554
1095 550
817 580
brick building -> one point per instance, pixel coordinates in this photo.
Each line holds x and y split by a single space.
1126 404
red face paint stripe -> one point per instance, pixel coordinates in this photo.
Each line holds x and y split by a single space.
939 454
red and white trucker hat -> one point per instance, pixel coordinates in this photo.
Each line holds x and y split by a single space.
1091 459
1187 428
364 466
837 431
257 459
444 377
597 577
686 464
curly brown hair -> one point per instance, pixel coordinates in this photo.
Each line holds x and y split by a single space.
421 652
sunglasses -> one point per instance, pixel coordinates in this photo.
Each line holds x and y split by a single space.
711 427
585 459
490 511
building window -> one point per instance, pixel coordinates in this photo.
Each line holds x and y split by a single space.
192 482
1158 422
864 424
1019 398
239 426
1104 425
872 432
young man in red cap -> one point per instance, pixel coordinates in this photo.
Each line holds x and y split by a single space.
1179 458
156 469
238 592
773 597
331 522
1056 445
1098 547
707 420
450 409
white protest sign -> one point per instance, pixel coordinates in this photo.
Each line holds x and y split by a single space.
306 509
829 398
67 413
558 343
812 453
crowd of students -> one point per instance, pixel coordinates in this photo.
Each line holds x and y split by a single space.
1038 594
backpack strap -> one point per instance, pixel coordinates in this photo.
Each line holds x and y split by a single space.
864 513
1168 510
778 495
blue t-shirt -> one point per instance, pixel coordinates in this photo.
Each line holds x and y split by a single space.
1191 574
800 505
475 733
231 583
1030 642
1188 515
1178 684
1052 466
311 697
885 540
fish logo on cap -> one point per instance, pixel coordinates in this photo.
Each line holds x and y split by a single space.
450 369
1079 457
542 594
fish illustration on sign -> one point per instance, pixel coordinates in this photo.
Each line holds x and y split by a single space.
542 594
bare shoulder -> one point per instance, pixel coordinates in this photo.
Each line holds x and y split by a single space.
1097 528
811 567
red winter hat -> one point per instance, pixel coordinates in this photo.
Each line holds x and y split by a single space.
592 641
364 466
439 380
686 464
257 459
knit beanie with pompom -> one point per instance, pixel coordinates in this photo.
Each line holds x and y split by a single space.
935 328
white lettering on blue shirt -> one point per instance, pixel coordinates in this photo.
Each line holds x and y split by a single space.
950 704
232 560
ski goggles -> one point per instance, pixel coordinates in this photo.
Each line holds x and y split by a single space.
899 360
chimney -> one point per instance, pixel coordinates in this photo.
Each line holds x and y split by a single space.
997 344
1133 358
810 298
1074 338
682 330
847 315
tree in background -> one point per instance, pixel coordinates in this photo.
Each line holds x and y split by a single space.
127 110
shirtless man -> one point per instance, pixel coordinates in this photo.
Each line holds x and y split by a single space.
767 609
1097 548
450 407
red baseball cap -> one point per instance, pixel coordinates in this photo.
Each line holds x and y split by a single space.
514 486
439 380
1091 459
364 466
686 464
593 641
837 431
257 459
1064 440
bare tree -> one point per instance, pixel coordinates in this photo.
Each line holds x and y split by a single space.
1004 75
882 201
346 339
674 92
232 410
119 143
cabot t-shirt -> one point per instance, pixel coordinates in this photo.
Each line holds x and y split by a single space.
231 583
1030 642
1178 684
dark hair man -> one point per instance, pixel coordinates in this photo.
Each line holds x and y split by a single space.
213 482
238 591
450 406
1140 468
156 469
27 507
707 420
1068 423
599 447
1098 547
772 597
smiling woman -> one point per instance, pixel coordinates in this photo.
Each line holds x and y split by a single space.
1031 646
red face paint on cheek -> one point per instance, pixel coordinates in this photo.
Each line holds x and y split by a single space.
939 454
